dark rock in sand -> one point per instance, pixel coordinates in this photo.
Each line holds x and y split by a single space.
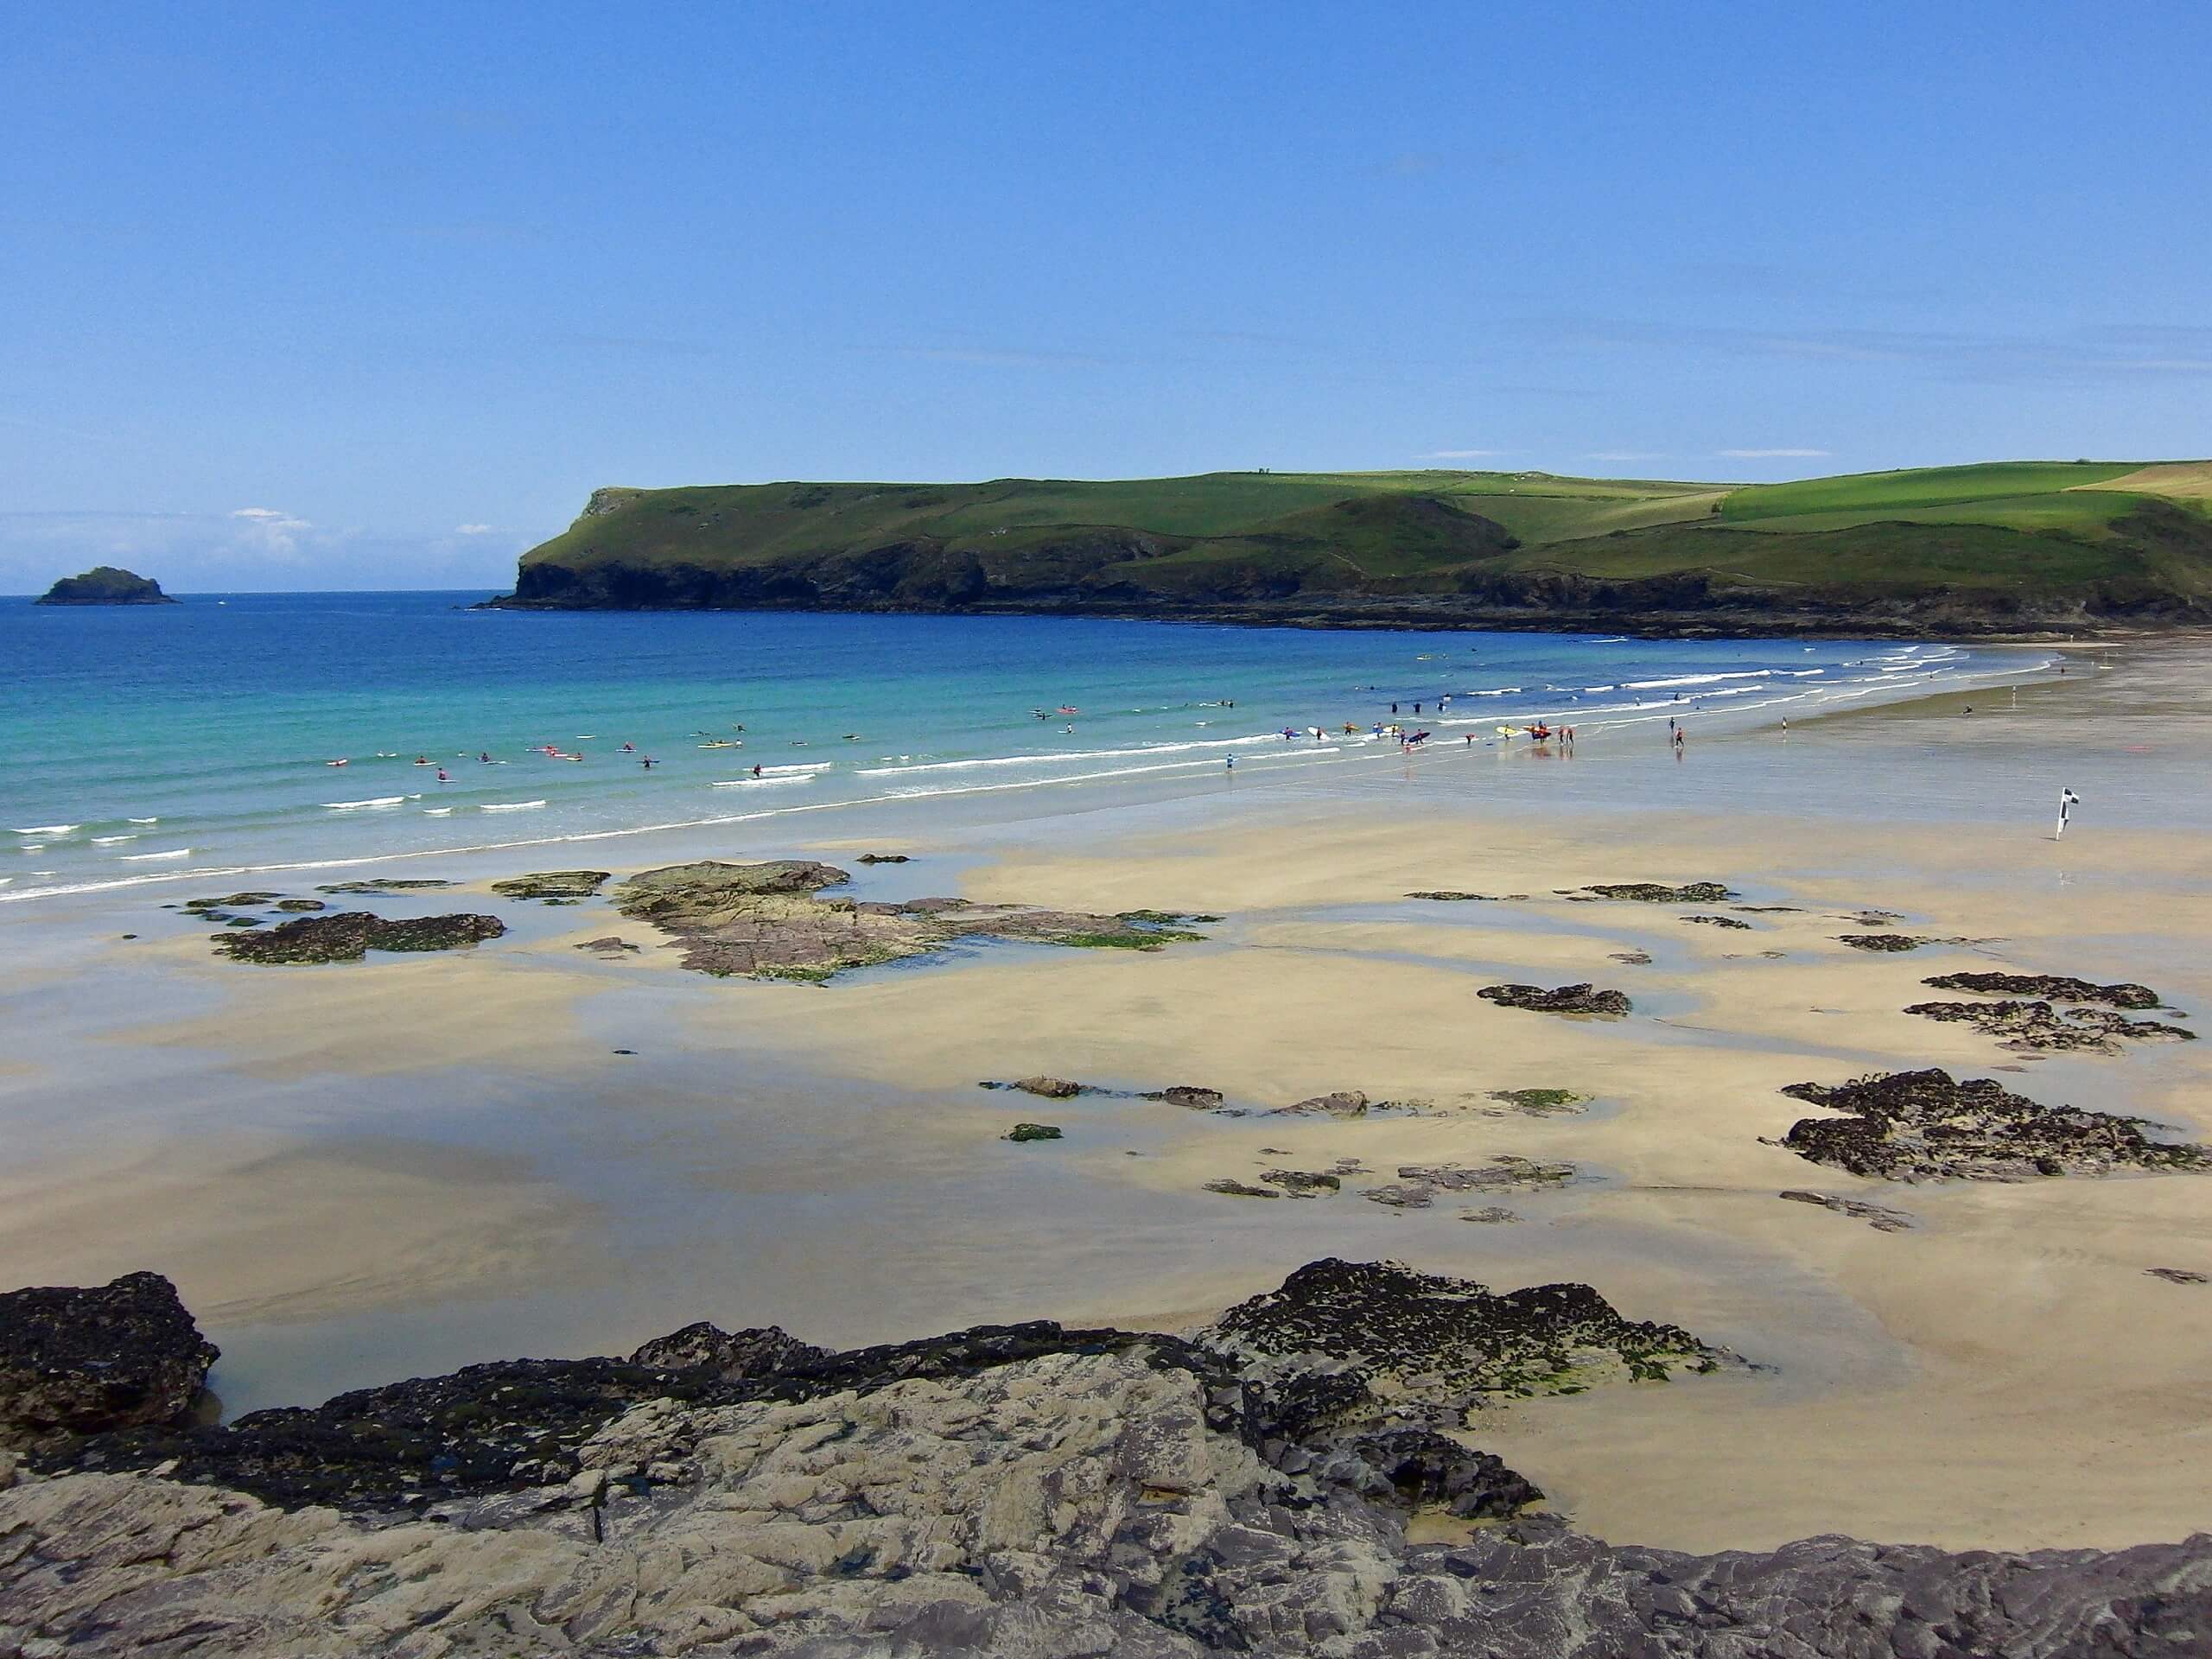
1033 1132
883 858
1047 1088
1413 1197
1652 893
1303 1183
1431 1346
1187 1094
301 905
1490 1215
1503 1173
1881 941
85 1361
346 936
1447 896
235 901
1419 1468
771 922
1236 1189
2031 1025
1342 1103
611 945
553 884
387 884
1632 958
1881 1217
1916 1126
1718 921
2056 988
2179 1276
1567 999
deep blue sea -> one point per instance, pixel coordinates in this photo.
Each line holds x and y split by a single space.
138 742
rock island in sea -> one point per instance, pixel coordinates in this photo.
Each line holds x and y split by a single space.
106 584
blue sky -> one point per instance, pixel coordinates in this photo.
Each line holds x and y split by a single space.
307 295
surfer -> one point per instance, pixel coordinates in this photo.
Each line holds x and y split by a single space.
756 772
629 748
647 761
441 776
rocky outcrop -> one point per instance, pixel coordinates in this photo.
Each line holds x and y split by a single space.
1021 1491
772 921
347 936
1565 998
1033 1132
388 884
1881 942
1047 1088
1195 1096
1718 921
1918 1126
105 584
85 1361
732 1356
2056 988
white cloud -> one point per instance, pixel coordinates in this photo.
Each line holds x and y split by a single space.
1461 455
271 530
1770 455
472 530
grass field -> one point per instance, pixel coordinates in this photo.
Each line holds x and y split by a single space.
2012 532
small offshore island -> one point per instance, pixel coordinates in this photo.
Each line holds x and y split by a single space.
2005 547
106 584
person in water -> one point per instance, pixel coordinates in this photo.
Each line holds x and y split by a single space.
485 755
756 772
441 776
647 761
1229 763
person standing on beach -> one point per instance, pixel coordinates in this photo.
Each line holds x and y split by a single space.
2068 800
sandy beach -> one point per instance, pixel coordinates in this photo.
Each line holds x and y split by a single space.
357 1170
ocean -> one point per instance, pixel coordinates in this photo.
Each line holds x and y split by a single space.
143 743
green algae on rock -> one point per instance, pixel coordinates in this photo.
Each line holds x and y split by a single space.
1033 1132
554 885
1654 893
1585 998
1541 1103
388 884
347 936
772 921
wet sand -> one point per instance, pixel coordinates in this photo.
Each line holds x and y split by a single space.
357 1171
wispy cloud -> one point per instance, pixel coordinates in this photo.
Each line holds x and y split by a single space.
1770 455
276 531
1461 455
472 530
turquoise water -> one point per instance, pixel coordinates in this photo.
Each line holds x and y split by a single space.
140 743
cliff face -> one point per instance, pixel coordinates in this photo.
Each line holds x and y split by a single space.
105 584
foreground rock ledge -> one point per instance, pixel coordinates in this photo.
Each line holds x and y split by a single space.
1017 1490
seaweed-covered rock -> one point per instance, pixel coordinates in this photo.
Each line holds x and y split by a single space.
1401 1195
1878 942
1585 998
1541 1103
1503 1173
1230 1187
387 884
732 1356
2179 1276
551 885
1720 921
1630 958
301 905
883 858
1449 896
611 944
1047 1088
1879 1217
1340 1103
1425 1347
1033 1132
2056 988
1652 892
347 936
2038 1025
1491 1215
771 921
1191 1094
1303 1183
86 1360
234 901
1915 1126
